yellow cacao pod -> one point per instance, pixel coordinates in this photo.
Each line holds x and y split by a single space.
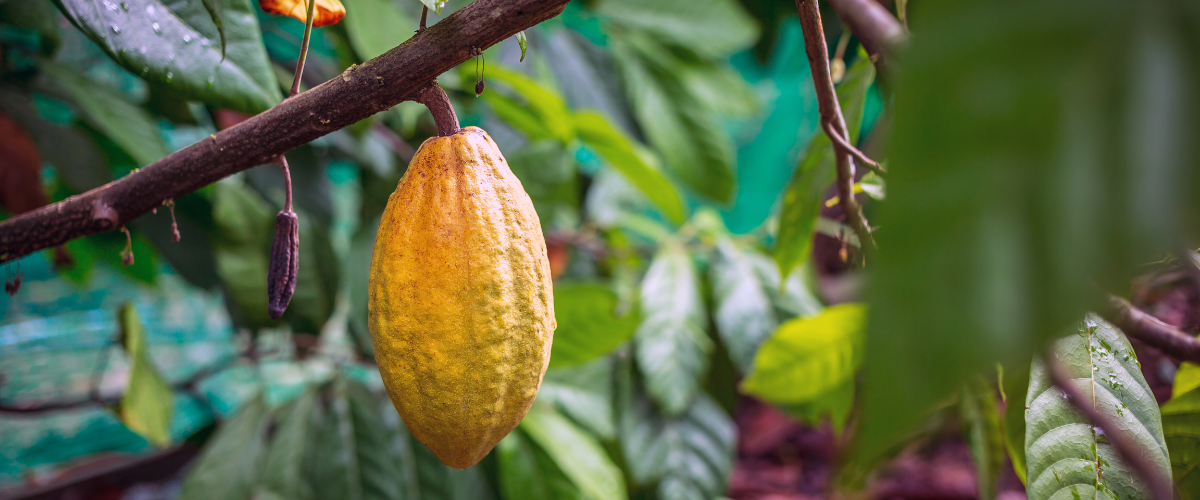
461 306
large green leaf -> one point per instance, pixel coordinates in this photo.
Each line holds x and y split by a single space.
540 103
439 482
802 201
791 297
148 403
588 325
316 280
1040 149
284 473
583 393
521 475
231 462
171 43
626 157
546 169
744 314
985 435
128 125
1181 428
1066 455
672 346
577 454
245 229
375 26
689 456
711 28
807 357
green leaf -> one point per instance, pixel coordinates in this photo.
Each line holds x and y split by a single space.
1010 199
520 475
316 280
547 171
169 43
1187 377
76 159
35 16
545 105
595 131
1062 448
695 148
214 11
148 404
578 455
807 357
523 42
834 404
710 28
434 5
985 435
743 312
109 113
357 275
794 297
439 482
588 326
284 475
816 171
1016 383
372 26
352 454
690 456
672 346
583 393
231 462
1181 429
241 246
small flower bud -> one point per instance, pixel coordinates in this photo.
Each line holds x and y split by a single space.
479 85
285 263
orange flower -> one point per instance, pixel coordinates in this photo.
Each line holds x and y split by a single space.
325 13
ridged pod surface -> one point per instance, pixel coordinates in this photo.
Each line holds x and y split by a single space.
461 306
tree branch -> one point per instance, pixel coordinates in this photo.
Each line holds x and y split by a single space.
1160 485
831 115
1154 333
874 26
358 93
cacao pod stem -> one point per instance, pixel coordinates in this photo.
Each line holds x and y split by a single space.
434 98
285 252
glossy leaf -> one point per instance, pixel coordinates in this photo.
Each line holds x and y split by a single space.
148 403
816 171
172 43
807 357
743 312
1062 448
711 28
214 9
1181 429
584 393
128 125
689 456
624 155
588 325
672 346
284 473
576 453
985 435
373 26
1010 199
231 462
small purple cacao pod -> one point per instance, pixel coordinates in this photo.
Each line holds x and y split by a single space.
479 85
285 263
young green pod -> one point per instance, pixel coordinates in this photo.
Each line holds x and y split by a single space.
285 263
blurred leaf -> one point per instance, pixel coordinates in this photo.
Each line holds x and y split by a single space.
125 123
578 455
108 247
357 273
520 475
1011 198
809 356
231 462
695 148
547 172
284 475
148 403
169 43
672 346
794 297
588 326
1181 429
743 312
241 246
169 104
214 11
1016 383
372 26
34 16
316 280
523 42
710 28
690 456
817 170
1187 377
439 482
191 256
720 88
352 455
1063 449
985 435
595 131
553 119
434 5
834 404
583 393
75 158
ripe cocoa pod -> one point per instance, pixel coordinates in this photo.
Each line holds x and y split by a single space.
461 305
284 264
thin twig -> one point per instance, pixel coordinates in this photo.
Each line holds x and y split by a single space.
1130 452
371 87
282 163
840 142
1154 333
308 23
424 16
831 114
